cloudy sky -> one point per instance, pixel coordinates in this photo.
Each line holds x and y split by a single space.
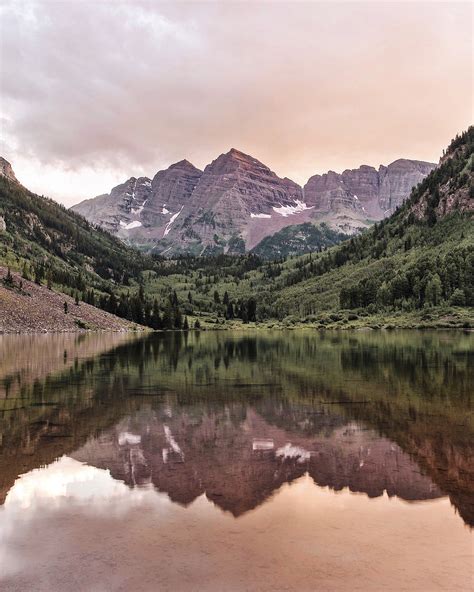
93 92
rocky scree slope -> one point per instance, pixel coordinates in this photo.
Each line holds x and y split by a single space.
26 307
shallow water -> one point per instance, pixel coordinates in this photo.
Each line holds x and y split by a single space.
237 461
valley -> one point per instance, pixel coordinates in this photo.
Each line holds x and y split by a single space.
414 268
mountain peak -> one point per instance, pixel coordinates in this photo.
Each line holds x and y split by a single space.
235 152
6 170
239 155
183 164
410 164
235 159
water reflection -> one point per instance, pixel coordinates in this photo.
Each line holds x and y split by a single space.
120 424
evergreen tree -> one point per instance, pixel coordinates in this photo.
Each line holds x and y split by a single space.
230 310
155 318
25 274
433 291
178 319
458 298
9 278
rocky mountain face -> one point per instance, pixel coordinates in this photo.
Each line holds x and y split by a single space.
237 201
451 187
6 170
351 201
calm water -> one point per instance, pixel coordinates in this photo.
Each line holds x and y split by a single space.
237 461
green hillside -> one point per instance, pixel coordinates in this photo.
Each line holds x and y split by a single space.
43 238
415 268
298 240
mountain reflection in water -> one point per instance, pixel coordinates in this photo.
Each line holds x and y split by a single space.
234 418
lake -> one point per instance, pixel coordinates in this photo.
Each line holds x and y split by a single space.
227 461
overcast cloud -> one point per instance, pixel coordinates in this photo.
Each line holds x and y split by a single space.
94 92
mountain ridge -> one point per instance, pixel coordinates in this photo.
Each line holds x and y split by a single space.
237 201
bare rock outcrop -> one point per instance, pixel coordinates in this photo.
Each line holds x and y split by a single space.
6 170
352 200
234 193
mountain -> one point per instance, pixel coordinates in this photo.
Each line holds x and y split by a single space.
64 255
237 201
6 170
142 209
39 230
414 268
352 200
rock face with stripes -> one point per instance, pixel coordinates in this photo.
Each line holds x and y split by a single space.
236 197
352 200
237 201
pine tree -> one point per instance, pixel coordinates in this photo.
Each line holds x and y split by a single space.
155 319
433 291
24 274
251 309
9 278
178 319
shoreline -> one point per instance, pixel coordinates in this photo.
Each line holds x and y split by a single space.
241 329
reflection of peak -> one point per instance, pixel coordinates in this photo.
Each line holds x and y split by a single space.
238 465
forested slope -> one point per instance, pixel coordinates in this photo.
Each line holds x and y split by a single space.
415 268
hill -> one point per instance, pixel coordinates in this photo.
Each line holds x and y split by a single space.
298 239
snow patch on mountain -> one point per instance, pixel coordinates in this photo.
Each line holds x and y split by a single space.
138 211
134 224
299 206
260 215
170 223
